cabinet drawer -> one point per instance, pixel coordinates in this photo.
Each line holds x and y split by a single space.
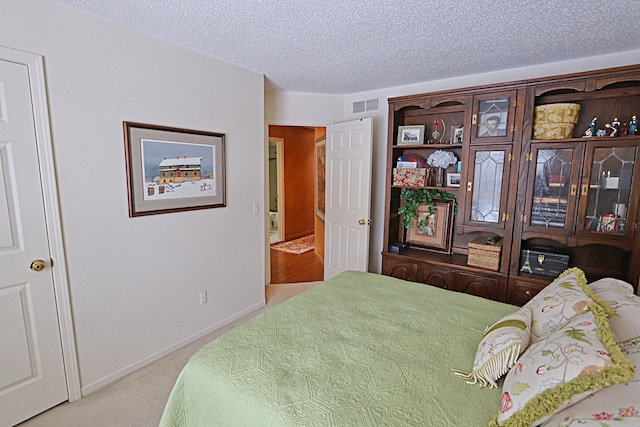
520 292
400 269
481 286
434 276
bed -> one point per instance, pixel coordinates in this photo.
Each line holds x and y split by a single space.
360 349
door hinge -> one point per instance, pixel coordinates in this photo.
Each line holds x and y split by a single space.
511 157
530 157
523 219
505 217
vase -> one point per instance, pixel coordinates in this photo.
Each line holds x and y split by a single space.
439 177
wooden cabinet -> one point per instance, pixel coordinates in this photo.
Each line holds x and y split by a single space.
578 195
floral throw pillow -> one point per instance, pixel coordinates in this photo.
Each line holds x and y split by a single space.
499 348
625 322
559 301
618 405
562 368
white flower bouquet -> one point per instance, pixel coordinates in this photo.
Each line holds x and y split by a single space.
441 159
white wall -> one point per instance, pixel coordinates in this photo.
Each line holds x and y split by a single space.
133 298
380 119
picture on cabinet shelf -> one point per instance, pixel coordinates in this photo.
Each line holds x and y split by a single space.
453 180
492 117
456 135
432 227
411 135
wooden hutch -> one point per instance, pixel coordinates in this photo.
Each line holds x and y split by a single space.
559 194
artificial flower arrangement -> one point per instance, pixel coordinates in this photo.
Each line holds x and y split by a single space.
442 159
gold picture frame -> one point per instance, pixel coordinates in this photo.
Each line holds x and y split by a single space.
438 233
410 135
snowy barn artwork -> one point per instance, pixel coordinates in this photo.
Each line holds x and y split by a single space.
177 170
173 169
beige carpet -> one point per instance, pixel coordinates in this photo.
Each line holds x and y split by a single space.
138 399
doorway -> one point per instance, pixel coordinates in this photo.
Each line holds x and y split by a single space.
292 203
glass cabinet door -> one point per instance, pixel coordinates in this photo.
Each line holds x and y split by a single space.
607 192
487 182
493 117
552 189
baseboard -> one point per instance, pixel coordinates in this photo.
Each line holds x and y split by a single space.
90 388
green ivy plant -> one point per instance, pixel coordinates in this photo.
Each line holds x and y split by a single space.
415 197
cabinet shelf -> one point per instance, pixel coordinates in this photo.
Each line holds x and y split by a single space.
425 146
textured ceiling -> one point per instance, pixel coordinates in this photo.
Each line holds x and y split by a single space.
348 46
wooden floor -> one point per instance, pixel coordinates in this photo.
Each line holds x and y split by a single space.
291 268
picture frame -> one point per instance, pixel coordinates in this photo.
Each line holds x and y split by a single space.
438 234
453 179
321 152
456 134
410 135
173 169
493 115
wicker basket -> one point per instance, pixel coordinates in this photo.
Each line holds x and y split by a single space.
485 253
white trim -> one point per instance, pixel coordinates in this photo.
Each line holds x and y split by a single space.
121 373
280 183
35 67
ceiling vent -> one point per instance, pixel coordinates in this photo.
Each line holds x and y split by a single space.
366 106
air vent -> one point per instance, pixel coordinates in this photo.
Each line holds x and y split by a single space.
366 106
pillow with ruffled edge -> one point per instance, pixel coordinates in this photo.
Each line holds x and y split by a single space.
562 368
625 322
617 405
559 301
499 348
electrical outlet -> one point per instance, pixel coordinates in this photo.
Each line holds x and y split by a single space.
203 297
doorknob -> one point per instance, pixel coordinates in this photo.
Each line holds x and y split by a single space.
37 265
364 222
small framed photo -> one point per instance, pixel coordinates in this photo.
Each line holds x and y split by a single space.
410 135
436 232
173 169
453 180
456 134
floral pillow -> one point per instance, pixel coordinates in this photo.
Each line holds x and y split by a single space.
499 349
561 300
618 405
625 323
562 368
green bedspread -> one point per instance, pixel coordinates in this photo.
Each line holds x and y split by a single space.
358 350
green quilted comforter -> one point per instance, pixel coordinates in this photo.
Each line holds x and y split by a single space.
360 349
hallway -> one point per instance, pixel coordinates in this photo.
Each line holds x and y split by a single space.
291 268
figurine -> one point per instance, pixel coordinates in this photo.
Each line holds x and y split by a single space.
591 131
615 125
633 126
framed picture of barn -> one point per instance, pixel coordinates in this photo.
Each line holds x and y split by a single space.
172 169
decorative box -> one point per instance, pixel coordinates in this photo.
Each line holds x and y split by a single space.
555 121
409 177
542 260
485 252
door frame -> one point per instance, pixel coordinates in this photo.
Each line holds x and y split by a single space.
44 146
280 183
267 123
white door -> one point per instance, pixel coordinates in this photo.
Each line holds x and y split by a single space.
348 196
32 374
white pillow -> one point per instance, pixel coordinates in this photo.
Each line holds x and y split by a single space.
625 322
